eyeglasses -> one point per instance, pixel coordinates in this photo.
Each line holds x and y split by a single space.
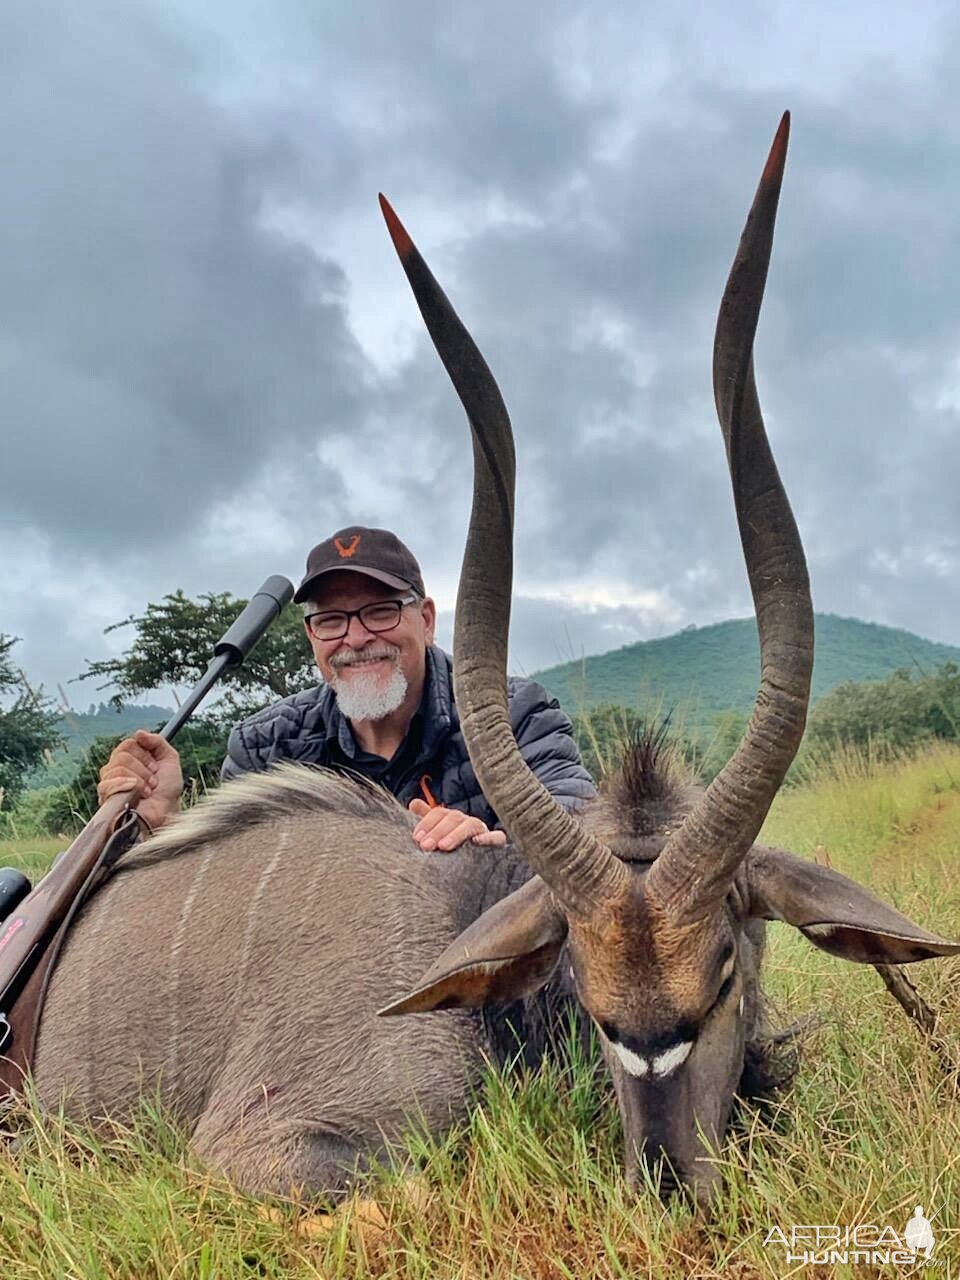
382 615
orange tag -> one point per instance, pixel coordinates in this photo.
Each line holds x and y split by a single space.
428 795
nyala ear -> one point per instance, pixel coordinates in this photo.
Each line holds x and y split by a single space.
836 914
509 952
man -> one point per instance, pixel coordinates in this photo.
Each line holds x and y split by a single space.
385 710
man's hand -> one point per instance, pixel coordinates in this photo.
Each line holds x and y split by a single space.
447 829
149 765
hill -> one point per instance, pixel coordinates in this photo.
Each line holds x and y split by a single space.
80 728
704 671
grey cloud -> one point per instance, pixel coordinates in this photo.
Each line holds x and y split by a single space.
544 633
860 330
157 345
152 317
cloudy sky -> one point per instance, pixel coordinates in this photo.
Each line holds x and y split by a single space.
210 358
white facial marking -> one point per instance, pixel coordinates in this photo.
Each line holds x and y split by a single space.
636 1065
662 1064
666 1062
741 1006
727 969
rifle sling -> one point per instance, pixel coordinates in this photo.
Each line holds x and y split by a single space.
23 1016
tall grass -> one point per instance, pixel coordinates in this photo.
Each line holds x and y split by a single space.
531 1185
32 854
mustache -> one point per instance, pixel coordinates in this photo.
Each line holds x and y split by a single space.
350 657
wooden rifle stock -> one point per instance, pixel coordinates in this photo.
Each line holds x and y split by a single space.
31 925
26 935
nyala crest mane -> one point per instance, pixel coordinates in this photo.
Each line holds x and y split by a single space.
645 798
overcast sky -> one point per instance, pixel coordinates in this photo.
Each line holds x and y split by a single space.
210 358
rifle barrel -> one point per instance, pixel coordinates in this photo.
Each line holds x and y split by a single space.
196 696
234 645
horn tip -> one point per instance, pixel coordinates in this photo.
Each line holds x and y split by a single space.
773 170
398 232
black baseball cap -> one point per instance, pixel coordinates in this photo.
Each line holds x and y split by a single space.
378 553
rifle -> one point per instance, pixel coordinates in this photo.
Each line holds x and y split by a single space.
31 938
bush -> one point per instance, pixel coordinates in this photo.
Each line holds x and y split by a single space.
905 710
64 810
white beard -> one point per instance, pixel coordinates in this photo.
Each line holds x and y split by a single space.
362 696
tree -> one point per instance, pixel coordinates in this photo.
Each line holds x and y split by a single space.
904 710
28 728
173 643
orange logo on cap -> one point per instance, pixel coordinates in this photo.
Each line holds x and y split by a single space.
347 552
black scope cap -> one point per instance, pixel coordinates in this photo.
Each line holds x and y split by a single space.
265 604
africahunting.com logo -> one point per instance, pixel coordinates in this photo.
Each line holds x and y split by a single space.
865 1243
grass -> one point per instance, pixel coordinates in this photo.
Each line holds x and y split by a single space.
531 1185
32 855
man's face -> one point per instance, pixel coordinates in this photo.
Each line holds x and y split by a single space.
363 662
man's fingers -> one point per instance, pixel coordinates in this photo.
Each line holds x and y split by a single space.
451 836
446 829
118 782
448 840
129 750
141 762
143 766
433 820
440 825
437 817
492 838
126 766
157 746
454 839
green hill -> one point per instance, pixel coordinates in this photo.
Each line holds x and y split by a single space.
80 728
703 671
